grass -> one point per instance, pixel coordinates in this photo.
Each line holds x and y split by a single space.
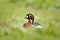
12 20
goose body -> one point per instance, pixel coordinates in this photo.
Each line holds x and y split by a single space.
31 22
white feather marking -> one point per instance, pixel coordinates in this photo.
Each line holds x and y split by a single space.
39 26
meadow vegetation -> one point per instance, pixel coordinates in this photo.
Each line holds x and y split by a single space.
46 12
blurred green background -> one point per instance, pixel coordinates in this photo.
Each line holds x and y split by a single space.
46 12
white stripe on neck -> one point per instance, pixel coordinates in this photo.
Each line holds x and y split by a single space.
31 21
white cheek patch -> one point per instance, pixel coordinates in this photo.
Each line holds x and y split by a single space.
26 16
